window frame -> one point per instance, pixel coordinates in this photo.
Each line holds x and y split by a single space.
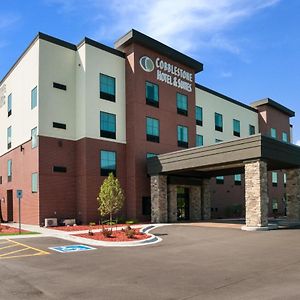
34 187
106 171
237 179
199 122
9 170
274 179
106 95
179 98
34 96
9 137
252 129
152 101
106 132
183 143
9 105
34 142
237 123
273 130
149 136
202 139
217 127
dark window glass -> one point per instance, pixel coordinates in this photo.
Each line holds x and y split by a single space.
199 140
107 162
238 179
146 206
59 86
199 115
219 179
182 136
9 137
251 130
218 122
59 169
182 104
152 130
107 125
9 105
59 125
9 170
236 128
107 87
152 96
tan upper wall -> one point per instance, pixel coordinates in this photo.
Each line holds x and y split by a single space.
212 104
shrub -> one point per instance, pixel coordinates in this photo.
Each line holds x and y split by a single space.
129 232
107 232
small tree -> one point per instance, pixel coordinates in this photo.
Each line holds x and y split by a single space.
110 198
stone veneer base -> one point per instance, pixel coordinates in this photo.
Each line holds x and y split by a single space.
264 228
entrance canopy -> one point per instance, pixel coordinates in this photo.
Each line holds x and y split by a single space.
226 158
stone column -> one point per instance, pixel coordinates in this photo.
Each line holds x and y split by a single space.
159 205
206 199
172 203
256 195
195 203
293 195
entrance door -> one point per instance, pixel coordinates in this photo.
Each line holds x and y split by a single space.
10 206
183 204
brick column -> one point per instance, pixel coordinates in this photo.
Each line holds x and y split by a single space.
159 205
172 203
293 195
256 195
195 203
206 199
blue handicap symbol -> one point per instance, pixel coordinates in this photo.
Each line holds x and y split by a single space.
71 248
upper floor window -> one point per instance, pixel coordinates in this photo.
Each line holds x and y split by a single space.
218 141
199 140
33 98
199 115
107 125
107 87
218 122
9 105
273 133
284 137
9 170
152 130
9 137
34 137
182 104
182 136
236 128
284 179
251 129
274 178
152 96
107 162
149 155
34 182
237 179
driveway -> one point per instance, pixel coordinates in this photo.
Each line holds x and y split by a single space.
190 263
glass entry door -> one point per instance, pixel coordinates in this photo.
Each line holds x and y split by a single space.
183 204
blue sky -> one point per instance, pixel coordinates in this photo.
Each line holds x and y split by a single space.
250 48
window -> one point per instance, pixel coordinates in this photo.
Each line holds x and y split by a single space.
199 115
284 179
59 86
199 140
9 170
238 179
34 182
182 104
9 137
284 137
107 125
33 98
218 122
251 129
182 136
59 169
218 141
9 105
275 205
152 130
146 206
59 125
236 128
107 162
149 155
0 179
34 137
274 178
107 87
273 133
152 96
219 179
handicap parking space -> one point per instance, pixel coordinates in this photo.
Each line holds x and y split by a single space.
72 248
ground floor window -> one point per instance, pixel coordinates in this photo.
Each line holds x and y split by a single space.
34 182
146 206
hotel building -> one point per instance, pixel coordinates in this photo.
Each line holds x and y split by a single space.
71 114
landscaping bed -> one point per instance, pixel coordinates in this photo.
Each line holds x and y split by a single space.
117 236
7 230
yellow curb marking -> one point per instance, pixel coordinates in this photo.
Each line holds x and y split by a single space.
25 255
8 253
9 246
35 249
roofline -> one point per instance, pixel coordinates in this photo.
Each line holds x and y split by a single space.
134 36
98 45
208 90
274 104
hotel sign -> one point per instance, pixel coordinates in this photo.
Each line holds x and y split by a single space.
168 73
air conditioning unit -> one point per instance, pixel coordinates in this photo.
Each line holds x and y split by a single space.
69 222
50 222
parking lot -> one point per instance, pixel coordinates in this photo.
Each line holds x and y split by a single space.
190 263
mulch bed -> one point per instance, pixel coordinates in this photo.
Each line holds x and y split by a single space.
117 236
84 227
4 229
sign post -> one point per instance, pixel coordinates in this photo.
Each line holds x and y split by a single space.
19 196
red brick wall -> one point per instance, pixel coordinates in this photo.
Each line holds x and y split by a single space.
24 163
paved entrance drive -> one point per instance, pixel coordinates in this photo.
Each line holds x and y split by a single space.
190 263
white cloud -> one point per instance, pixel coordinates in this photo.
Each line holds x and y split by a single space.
226 74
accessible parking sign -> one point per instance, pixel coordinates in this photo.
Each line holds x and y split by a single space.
71 248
